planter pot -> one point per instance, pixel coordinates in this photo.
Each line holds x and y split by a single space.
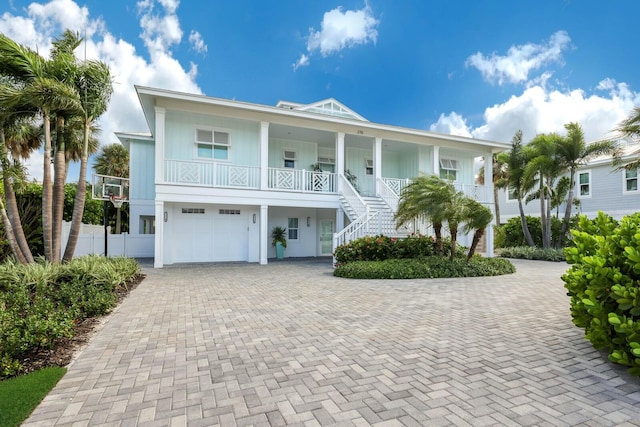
279 250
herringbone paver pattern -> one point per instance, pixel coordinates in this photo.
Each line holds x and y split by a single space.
289 344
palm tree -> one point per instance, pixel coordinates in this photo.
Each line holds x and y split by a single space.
454 212
516 161
573 153
477 218
630 128
425 196
113 160
500 179
544 166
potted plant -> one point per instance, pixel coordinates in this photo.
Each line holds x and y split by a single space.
279 240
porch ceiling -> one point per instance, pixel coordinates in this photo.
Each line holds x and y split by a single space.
322 138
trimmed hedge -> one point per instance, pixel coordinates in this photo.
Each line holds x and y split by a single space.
603 283
424 268
510 234
41 303
527 252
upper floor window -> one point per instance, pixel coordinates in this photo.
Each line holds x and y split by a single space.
212 144
289 157
368 167
584 184
630 181
449 169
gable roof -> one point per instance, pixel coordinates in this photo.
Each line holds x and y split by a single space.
329 106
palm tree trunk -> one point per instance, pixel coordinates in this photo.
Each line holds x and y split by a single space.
437 230
59 171
8 231
13 215
118 220
78 204
474 243
47 215
567 213
496 203
523 223
454 240
543 213
548 216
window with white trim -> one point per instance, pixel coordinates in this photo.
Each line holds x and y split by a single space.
368 167
449 169
292 228
584 184
212 144
327 164
630 181
512 194
289 157
147 224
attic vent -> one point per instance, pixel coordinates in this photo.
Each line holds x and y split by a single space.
229 212
327 160
192 210
289 155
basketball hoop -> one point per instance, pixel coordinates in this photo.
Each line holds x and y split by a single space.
116 200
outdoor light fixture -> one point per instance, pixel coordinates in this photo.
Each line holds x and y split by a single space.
254 218
308 221
166 216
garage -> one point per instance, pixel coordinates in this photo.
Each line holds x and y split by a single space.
209 233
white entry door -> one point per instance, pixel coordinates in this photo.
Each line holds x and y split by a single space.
326 236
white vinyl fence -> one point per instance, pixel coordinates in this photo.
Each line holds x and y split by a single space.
91 241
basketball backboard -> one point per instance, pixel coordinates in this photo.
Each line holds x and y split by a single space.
110 188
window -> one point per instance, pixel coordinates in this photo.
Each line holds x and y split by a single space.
192 210
289 159
368 165
212 144
147 224
584 184
449 169
630 181
293 228
512 194
229 212
327 164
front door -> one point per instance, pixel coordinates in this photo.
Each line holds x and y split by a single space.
326 236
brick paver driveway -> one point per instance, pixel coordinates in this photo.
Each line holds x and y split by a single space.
287 343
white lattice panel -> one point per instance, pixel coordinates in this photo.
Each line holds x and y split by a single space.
238 177
189 172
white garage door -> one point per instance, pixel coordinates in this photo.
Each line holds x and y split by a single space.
210 234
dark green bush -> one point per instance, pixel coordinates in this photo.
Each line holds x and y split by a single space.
380 248
527 252
41 303
429 267
510 234
603 285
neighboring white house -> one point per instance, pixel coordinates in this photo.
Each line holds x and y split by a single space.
214 176
599 187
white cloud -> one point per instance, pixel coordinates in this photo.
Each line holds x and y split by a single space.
45 21
519 61
198 44
340 30
539 110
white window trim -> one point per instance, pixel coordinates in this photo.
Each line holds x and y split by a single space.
507 197
624 183
293 159
213 143
577 189
293 228
451 162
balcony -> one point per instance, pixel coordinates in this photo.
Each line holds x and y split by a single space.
475 191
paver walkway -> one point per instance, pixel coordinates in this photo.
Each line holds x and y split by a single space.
288 343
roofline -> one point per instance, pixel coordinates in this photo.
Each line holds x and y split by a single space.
124 137
259 108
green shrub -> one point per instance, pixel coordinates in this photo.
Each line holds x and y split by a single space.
429 267
41 303
527 252
510 234
603 285
380 248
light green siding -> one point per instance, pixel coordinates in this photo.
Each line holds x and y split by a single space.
465 164
306 153
142 173
244 137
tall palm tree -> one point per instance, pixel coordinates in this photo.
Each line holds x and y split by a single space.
630 128
545 166
516 161
500 179
476 217
95 88
425 196
573 152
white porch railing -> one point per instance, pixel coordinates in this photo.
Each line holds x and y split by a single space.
475 191
396 184
388 194
211 174
301 180
352 198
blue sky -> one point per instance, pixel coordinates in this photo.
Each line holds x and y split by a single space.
474 68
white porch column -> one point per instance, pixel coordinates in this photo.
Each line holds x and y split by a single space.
436 160
339 220
264 233
264 156
377 163
159 134
488 183
340 154
158 250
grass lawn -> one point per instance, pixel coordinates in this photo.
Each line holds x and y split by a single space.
19 396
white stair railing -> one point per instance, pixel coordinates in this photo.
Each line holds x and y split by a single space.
387 194
352 198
